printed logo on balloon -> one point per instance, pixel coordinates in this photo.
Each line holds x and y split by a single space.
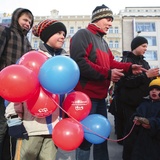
77 105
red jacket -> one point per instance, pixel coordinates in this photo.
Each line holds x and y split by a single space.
95 60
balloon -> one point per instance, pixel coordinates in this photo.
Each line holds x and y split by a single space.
33 60
17 83
77 104
96 128
67 134
59 74
42 104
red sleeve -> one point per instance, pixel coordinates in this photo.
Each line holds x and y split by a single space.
119 65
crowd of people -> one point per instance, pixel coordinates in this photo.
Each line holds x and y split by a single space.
31 138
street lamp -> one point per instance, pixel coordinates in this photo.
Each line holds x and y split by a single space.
138 32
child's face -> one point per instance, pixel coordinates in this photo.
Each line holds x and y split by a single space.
57 40
154 94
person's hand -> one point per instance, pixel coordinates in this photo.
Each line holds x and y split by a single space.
135 120
142 121
136 69
116 74
147 126
154 72
16 128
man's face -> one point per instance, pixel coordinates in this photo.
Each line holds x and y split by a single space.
104 23
25 22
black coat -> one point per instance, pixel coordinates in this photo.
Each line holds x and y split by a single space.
132 88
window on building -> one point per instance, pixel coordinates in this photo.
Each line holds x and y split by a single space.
151 55
117 58
151 40
6 21
79 28
110 44
154 66
116 30
110 30
64 45
71 30
35 45
116 45
145 27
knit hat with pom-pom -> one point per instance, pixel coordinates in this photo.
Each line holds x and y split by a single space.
101 12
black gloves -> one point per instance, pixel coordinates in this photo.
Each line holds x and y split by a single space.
16 128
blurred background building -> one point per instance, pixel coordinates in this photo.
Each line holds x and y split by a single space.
127 24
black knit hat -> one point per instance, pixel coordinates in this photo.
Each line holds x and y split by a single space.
137 41
101 12
47 28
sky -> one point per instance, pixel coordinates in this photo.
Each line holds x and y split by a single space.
71 7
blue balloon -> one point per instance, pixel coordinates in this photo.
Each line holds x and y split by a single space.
97 128
59 74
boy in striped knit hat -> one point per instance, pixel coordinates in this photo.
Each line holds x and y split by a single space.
35 134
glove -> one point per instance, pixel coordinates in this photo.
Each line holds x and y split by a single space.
16 128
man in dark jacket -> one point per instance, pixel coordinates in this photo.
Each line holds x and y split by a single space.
13 44
132 88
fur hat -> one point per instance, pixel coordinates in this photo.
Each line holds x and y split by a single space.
154 84
101 12
137 41
45 29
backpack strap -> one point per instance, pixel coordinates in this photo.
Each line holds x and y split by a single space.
8 36
3 57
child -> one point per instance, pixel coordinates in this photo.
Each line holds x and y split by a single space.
35 134
145 137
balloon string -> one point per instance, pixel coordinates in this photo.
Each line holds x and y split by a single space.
113 140
121 139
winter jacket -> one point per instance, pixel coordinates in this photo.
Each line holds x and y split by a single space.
132 88
95 60
17 44
144 143
33 125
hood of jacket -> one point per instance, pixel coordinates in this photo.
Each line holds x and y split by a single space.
14 21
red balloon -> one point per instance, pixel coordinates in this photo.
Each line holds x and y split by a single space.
77 104
42 104
33 60
17 83
68 134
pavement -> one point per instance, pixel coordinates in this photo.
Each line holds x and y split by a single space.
114 149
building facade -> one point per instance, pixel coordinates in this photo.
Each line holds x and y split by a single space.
143 21
127 24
